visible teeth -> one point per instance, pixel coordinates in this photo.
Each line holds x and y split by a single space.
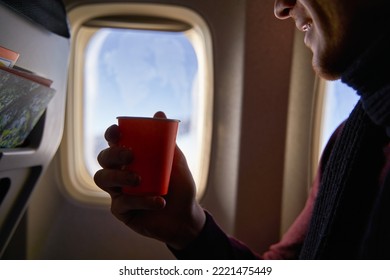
306 27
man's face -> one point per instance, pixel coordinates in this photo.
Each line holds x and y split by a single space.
335 30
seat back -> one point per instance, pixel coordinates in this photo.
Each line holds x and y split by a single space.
38 31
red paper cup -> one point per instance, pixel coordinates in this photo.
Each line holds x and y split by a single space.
152 141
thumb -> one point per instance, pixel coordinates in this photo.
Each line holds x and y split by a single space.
160 115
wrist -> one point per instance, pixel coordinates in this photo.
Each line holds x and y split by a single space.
190 229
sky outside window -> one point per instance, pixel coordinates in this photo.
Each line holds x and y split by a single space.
340 100
137 73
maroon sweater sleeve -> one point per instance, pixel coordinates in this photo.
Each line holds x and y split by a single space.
290 245
213 243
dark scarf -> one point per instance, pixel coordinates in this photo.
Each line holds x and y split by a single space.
351 217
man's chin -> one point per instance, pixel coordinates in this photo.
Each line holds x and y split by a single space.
326 72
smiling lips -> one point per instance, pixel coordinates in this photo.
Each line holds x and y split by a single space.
303 25
302 22
306 27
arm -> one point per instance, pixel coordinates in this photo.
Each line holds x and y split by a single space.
213 243
177 219
290 245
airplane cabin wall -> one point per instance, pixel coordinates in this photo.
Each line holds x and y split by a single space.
268 57
46 54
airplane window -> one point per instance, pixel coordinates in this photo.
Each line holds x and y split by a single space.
339 100
158 59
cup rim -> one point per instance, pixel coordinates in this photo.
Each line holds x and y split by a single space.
147 118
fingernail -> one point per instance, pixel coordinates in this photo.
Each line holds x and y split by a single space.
134 179
137 180
125 156
158 202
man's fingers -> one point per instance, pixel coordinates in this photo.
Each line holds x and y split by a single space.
106 179
112 135
123 204
160 115
115 157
